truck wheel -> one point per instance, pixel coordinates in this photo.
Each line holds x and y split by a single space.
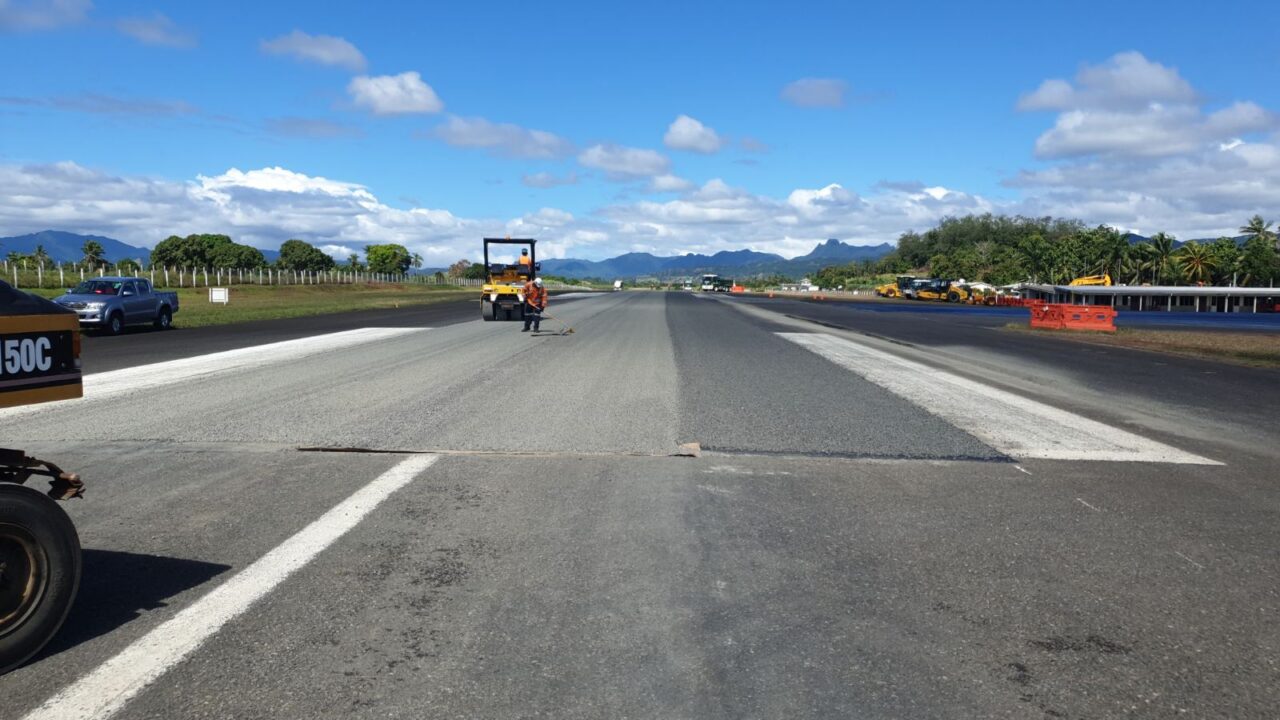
39 571
953 297
115 324
486 310
164 319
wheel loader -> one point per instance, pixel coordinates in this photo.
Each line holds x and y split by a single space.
502 297
39 546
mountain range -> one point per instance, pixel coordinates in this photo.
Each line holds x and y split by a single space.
740 263
68 247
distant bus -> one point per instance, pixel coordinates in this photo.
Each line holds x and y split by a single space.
709 282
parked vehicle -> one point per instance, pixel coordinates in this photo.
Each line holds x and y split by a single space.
617 285
111 303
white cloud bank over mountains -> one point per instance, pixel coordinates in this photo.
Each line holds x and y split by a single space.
267 206
1132 144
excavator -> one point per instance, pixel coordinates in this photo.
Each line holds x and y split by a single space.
502 297
39 546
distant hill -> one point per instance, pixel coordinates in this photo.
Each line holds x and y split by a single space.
741 263
68 247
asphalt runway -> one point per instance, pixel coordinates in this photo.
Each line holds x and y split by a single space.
451 518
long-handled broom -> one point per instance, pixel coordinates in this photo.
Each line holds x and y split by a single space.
564 330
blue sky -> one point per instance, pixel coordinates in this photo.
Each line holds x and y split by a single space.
105 105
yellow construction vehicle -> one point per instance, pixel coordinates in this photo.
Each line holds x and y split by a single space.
980 293
896 289
39 546
502 297
1103 279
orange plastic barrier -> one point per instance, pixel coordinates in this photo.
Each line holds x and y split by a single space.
737 289
1047 316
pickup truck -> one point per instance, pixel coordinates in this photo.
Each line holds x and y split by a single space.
111 303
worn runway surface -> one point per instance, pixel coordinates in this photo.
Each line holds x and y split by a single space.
881 522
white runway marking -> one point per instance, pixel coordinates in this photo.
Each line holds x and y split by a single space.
1184 557
115 383
1083 502
1014 425
103 692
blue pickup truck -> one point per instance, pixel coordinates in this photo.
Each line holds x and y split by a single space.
111 303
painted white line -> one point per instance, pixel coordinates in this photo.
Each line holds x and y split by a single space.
1082 502
103 692
1021 469
1014 425
1184 557
100 386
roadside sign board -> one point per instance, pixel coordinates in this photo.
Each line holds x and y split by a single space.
219 295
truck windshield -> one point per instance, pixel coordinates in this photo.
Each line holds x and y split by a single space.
98 287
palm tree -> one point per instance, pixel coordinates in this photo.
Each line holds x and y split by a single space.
417 260
40 256
1257 227
1162 250
1196 261
93 253
1137 261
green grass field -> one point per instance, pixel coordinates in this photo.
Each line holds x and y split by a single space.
254 302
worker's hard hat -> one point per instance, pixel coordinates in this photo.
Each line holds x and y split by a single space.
538 282
524 251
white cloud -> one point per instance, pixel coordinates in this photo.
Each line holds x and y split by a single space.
547 180
1132 107
624 163
394 94
266 206
23 15
503 139
1137 149
686 133
320 49
669 183
1126 81
106 105
816 92
341 253
156 30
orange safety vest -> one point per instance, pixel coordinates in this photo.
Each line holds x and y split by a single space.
535 296
525 260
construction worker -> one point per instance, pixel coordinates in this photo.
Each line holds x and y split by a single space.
535 301
525 260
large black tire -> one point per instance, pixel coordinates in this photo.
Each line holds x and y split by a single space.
164 319
953 297
39 572
486 311
115 323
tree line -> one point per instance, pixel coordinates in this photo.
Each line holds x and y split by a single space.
220 251
1002 249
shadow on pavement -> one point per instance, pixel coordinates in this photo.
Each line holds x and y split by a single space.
115 587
